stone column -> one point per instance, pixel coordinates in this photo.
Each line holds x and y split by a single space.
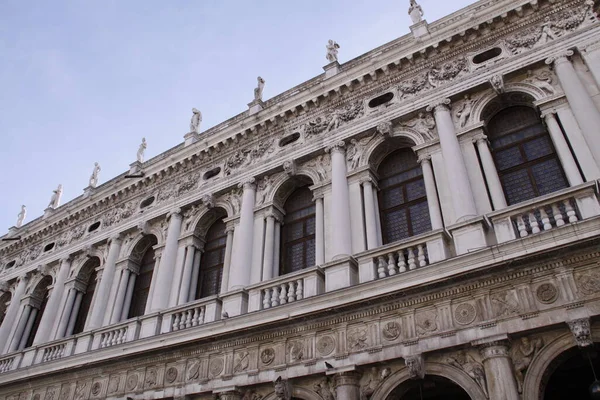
158 251
164 277
27 331
562 149
258 248
491 173
177 279
347 385
18 334
497 363
276 258
433 202
239 270
186 281
227 261
370 215
44 332
340 199
591 56
66 315
75 311
462 194
12 312
584 109
108 273
319 231
120 298
267 270
196 272
128 295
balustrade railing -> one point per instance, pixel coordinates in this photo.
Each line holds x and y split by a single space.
6 364
53 352
192 314
545 213
113 337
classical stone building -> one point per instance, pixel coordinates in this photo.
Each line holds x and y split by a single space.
419 222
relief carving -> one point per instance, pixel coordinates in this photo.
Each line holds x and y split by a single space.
296 350
416 366
423 124
464 110
321 165
80 390
390 331
215 366
251 395
96 388
335 119
473 368
582 332
242 361
357 338
325 345
588 282
522 352
546 293
267 356
504 304
426 323
113 384
373 379
356 150
283 389
151 377
325 388
542 79
193 371
465 314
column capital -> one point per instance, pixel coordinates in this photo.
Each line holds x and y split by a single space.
424 158
117 238
494 349
176 212
247 184
560 58
65 260
348 378
337 147
440 105
369 180
549 113
480 138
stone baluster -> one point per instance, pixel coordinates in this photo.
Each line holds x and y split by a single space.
164 276
239 274
585 111
341 245
433 203
456 169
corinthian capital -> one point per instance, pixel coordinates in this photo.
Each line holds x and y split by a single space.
249 183
559 58
336 147
440 105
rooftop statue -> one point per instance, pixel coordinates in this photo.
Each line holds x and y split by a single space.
415 11
94 177
142 148
196 121
55 199
259 89
21 216
332 51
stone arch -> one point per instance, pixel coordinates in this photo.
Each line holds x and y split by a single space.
456 375
542 360
284 186
206 218
87 267
142 244
378 150
40 289
299 393
490 96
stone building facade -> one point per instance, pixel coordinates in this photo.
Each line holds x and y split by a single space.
422 220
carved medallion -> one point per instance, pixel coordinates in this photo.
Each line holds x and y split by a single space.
588 283
193 371
131 382
171 374
465 313
267 356
113 384
325 345
96 388
215 367
391 330
546 293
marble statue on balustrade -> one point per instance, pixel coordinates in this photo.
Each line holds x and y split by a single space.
55 199
196 121
332 51
415 11
141 150
21 216
258 91
94 177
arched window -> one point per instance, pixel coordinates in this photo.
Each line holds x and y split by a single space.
4 302
89 275
524 154
40 293
403 202
211 262
298 233
141 288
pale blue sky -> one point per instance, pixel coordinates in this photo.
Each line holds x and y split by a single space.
84 81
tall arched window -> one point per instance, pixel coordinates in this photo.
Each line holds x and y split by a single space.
403 201
141 288
298 233
211 262
4 302
524 154
41 294
89 275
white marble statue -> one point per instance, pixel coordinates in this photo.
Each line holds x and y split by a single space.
415 11
196 121
94 177
332 51
21 216
258 91
55 199
140 153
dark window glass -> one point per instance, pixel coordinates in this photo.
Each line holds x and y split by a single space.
402 202
298 232
211 262
86 303
43 287
524 155
141 288
4 301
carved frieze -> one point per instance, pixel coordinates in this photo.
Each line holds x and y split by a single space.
588 282
504 303
242 361
465 313
546 293
336 118
426 322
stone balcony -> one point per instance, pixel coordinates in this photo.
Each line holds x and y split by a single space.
533 227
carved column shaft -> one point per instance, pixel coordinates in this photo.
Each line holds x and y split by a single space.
164 275
319 231
184 293
370 215
267 270
66 314
584 109
227 260
499 375
491 173
123 279
11 314
239 274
